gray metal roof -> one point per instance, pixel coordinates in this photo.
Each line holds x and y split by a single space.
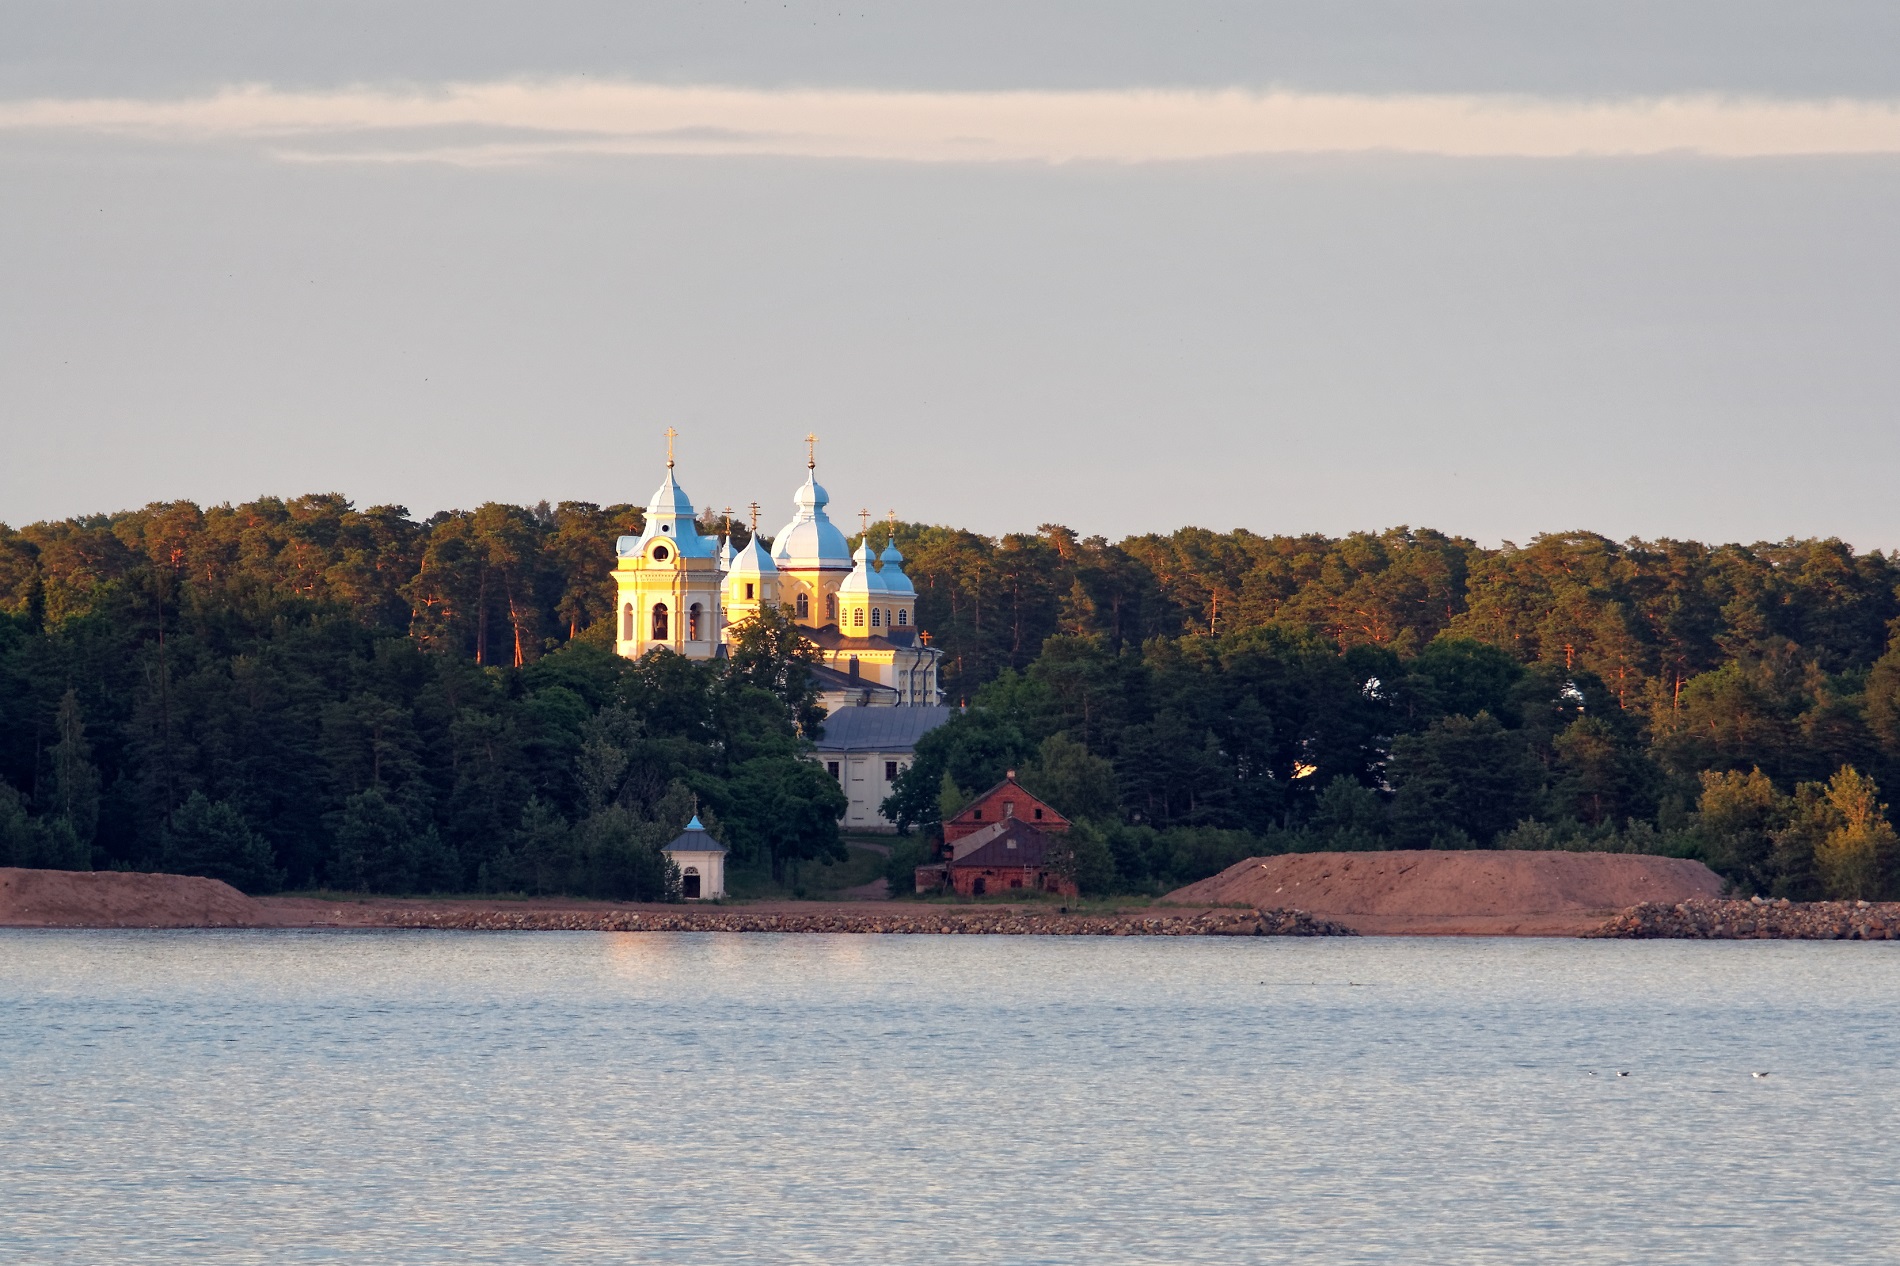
894 729
694 839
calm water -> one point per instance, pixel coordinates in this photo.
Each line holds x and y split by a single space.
457 1097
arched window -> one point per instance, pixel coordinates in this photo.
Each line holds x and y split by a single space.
659 622
660 554
626 623
903 617
831 607
804 606
875 613
857 617
692 623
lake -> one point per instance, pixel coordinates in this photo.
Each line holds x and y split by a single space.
595 1097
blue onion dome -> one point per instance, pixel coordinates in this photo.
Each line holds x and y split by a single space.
896 583
811 541
863 580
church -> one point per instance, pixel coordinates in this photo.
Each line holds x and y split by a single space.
679 590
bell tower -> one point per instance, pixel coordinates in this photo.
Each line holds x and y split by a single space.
667 579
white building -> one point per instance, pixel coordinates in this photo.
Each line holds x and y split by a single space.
702 863
865 749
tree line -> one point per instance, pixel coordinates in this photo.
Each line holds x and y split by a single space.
365 699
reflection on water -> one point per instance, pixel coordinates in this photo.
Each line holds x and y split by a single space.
517 1097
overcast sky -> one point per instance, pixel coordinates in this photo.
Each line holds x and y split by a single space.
1496 268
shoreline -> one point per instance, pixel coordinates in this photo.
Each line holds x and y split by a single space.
101 900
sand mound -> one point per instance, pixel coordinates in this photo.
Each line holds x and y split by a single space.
111 899
1425 886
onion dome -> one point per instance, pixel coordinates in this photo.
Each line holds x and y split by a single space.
863 580
751 561
896 583
811 542
670 519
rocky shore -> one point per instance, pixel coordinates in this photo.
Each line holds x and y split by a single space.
1757 919
929 920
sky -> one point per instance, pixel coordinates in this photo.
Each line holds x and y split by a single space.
1493 268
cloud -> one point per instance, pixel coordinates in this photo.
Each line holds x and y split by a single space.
512 121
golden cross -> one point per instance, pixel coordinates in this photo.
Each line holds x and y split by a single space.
670 433
727 512
754 507
893 514
811 451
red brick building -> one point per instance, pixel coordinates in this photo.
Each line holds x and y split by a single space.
1004 801
1005 856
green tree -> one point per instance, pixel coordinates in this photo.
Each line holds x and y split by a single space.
1737 817
211 838
75 782
376 846
1463 779
1857 858
1076 782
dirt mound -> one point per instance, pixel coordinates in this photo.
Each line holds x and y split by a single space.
1503 891
112 899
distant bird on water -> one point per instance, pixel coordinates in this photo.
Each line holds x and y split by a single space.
1758 1076
1621 1073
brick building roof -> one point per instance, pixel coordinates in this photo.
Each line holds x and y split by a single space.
1009 843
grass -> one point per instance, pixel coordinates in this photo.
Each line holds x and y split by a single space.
813 881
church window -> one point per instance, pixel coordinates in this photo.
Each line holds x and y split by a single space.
875 613
659 621
748 589
857 618
660 554
831 767
831 607
804 606
692 623
890 771
626 623
903 617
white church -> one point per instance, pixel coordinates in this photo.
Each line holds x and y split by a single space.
681 591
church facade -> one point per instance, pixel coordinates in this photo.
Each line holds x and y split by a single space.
684 592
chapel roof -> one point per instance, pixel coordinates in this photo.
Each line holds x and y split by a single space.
694 839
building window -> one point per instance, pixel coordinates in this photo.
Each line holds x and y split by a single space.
660 554
1039 815
804 606
659 622
875 613
976 815
692 623
626 624
857 618
831 607
831 767
748 589
1009 808
890 771
903 618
